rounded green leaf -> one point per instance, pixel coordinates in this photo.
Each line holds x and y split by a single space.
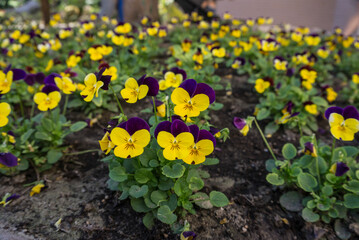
53 156
341 230
218 199
118 174
289 151
139 205
291 201
351 200
307 182
158 196
327 190
148 220
196 184
165 215
352 186
202 200
176 171
274 179
137 191
142 176
309 216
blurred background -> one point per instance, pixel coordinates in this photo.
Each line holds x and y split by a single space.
321 14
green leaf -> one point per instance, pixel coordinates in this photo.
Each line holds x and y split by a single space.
78 126
309 216
218 199
289 151
216 106
341 230
320 101
211 161
196 184
26 135
274 179
43 136
351 200
147 156
202 200
137 191
165 185
118 174
53 156
149 203
351 151
75 103
327 190
139 205
23 165
148 220
263 114
307 182
176 171
271 128
47 124
270 165
291 201
181 187
165 215
352 186
158 196
142 175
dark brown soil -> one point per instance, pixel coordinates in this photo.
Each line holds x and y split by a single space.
76 191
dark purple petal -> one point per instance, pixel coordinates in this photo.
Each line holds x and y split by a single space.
342 168
49 88
99 74
122 125
290 72
134 124
51 78
213 130
308 146
204 134
40 77
177 127
163 126
350 112
331 110
190 86
30 79
106 79
294 114
8 159
13 196
18 74
239 123
195 132
7 68
203 88
174 117
157 103
152 84
113 122
189 234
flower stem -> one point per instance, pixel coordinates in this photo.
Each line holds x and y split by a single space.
65 105
82 152
154 109
264 139
118 101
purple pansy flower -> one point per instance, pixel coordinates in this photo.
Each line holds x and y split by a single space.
347 112
341 169
152 84
8 159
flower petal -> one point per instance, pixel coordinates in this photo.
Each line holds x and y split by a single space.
200 101
205 146
206 89
165 139
331 110
119 136
204 134
131 83
190 86
350 112
180 96
195 132
90 80
143 90
134 124
178 127
141 137
163 126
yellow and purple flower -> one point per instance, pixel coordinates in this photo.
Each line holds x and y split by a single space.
130 138
188 235
241 125
173 78
238 62
344 123
309 149
280 63
191 98
339 169
203 145
175 138
93 83
137 90
8 160
8 76
5 110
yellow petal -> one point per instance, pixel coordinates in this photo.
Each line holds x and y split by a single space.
143 91
131 83
129 95
335 119
352 124
165 139
99 84
119 136
3 120
205 146
185 139
40 97
201 101
141 138
90 80
194 157
180 96
5 109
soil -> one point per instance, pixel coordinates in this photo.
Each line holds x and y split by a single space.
76 190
